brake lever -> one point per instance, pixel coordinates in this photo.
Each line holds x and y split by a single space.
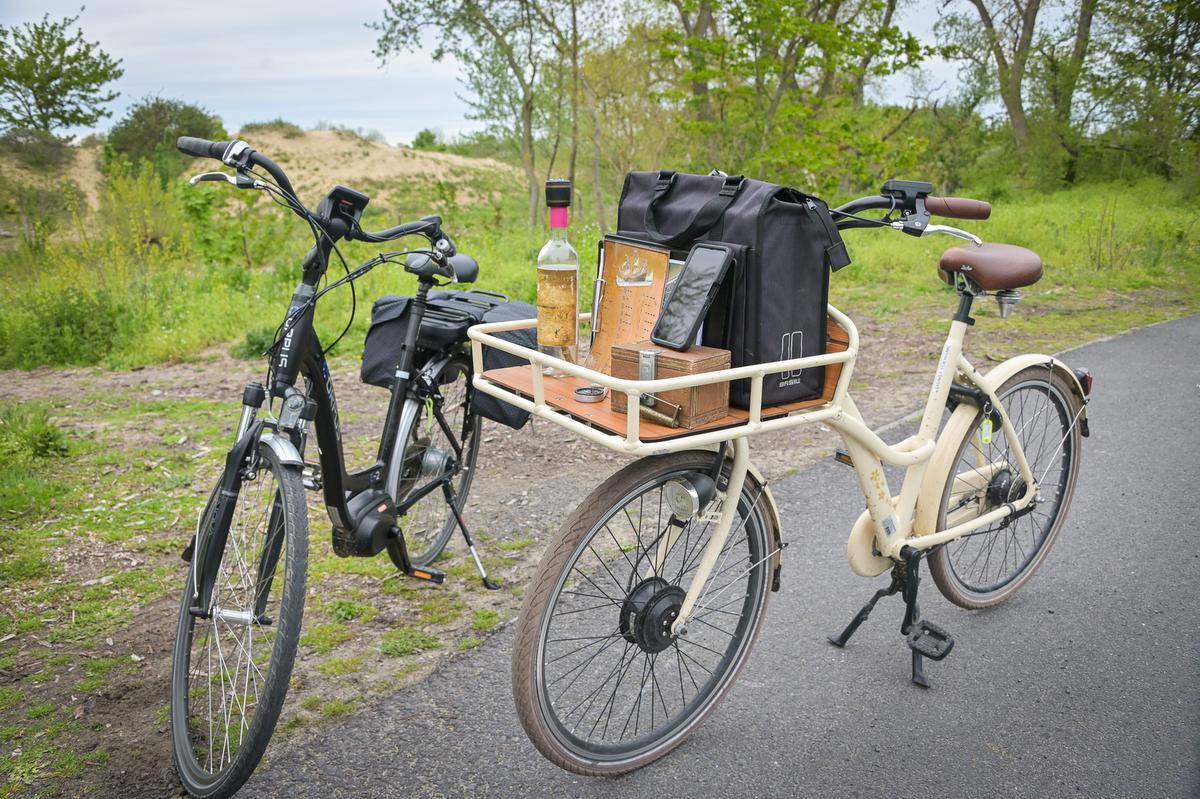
239 180
953 231
930 229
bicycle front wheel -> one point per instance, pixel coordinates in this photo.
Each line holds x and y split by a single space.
230 671
986 568
429 523
601 685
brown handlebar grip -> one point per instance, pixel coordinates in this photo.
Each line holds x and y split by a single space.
958 207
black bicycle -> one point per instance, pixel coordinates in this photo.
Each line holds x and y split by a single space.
239 623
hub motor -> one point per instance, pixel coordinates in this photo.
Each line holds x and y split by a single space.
435 462
648 613
1006 486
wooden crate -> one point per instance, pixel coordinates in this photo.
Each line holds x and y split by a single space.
700 404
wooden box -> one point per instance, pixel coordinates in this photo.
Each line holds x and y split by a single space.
700 404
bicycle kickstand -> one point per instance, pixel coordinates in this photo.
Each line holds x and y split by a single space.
452 501
865 611
926 640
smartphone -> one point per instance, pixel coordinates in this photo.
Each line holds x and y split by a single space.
692 295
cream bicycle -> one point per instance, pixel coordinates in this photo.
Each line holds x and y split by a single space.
650 596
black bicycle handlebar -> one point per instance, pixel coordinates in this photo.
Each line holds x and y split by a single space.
430 224
923 205
240 157
201 148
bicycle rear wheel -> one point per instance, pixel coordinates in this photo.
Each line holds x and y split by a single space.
601 685
987 567
230 671
429 524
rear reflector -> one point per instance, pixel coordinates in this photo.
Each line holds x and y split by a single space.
1084 376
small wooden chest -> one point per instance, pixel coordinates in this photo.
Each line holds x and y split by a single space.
700 404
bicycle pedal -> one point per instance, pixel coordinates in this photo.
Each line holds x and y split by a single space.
842 456
427 574
929 640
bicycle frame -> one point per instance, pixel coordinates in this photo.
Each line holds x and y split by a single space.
337 482
887 526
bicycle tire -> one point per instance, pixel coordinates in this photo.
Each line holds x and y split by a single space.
531 664
192 683
429 525
1052 448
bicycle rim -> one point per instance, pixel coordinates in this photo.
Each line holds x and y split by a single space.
993 562
429 524
231 670
612 686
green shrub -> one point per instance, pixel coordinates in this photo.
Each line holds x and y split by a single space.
26 432
146 135
256 342
63 325
290 130
37 149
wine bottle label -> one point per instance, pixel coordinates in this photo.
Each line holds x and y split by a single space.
557 298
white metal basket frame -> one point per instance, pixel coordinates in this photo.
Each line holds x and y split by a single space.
631 443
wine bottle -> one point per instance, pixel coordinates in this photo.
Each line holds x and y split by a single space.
558 283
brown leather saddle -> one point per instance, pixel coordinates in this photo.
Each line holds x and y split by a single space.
992 266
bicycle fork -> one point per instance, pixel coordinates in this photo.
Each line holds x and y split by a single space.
716 544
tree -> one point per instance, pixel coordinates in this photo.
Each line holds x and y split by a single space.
426 139
1058 67
147 134
1148 82
1007 39
50 77
501 44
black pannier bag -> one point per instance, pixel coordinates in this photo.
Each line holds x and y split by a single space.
772 304
447 318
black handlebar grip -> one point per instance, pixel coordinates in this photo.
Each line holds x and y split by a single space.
201 148
958 207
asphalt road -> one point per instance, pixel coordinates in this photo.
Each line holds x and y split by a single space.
1087 683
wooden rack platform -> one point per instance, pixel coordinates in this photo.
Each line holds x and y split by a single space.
560 395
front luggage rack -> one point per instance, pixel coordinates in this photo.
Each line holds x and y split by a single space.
553 398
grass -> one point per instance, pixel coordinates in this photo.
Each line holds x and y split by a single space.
323 638
484 620
408 641
1098 243
340 666
349 610
121 302
469 642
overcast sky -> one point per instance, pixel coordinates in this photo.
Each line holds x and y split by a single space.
301 60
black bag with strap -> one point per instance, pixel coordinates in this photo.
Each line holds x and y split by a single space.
772 304
447 318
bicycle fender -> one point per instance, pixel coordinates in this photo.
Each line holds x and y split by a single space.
283 448
942 460
776 525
